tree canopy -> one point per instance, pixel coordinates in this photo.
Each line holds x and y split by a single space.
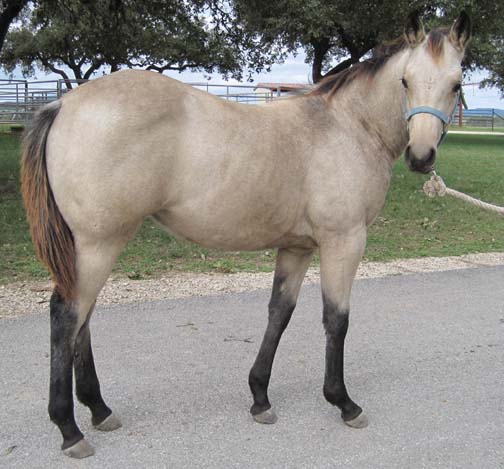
341 32
233 37
86 35
336 35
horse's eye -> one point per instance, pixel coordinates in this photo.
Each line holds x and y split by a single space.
457 87
404 83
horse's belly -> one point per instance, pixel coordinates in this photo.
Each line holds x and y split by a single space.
237 232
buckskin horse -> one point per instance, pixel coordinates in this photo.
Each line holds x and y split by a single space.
297 174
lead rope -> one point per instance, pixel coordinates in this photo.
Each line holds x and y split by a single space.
435 186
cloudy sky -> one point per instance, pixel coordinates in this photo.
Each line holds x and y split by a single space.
295 70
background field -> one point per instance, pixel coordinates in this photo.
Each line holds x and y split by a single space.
410 225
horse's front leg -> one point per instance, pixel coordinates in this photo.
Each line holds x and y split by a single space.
339 258
291 266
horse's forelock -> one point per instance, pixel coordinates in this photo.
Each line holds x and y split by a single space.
435 42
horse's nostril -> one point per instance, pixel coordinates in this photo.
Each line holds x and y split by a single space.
420 158
432 156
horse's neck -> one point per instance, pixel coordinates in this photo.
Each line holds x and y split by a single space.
378 106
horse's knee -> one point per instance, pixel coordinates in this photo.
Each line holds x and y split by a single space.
335 320
279 314
281 305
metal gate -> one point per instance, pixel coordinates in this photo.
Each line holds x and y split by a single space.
20 99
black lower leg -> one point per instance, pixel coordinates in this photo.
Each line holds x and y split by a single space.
86 379
61 408
280 312
336 326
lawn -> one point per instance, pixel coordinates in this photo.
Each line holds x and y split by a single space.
466 128
410 225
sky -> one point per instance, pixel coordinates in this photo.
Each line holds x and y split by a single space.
295 70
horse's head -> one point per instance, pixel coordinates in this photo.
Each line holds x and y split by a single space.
431 81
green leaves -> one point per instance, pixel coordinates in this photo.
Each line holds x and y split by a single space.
170 35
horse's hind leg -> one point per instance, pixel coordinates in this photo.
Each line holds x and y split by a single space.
65 323
69 336
87 384
339 258
290 270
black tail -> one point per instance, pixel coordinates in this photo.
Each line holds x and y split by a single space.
51 235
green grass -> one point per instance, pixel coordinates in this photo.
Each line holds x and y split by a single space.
477 129
6 128
410 225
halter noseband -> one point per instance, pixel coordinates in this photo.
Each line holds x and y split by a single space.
444 118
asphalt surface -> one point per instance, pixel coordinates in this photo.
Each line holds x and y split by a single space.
425 356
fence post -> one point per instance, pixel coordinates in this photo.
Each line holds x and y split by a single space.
493 118
17 99
461 107
26 100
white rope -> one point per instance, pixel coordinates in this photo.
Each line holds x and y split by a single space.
435 186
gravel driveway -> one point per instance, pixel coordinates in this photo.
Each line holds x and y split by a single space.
26 297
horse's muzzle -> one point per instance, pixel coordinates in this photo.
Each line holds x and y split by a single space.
420 158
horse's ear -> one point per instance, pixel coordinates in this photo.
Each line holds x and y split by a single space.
460 33
414 30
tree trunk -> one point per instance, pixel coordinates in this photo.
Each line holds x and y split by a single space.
320 48
356 48
11 9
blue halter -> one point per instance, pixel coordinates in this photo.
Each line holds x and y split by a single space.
444 118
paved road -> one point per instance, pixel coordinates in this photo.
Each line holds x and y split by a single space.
425 359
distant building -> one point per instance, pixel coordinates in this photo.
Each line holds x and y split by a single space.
288 88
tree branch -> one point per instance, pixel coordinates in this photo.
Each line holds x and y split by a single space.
356 51
94 66
343 65
53 69
179 68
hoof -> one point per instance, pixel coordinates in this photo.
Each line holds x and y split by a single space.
109 424
81 449
361 421
268 417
